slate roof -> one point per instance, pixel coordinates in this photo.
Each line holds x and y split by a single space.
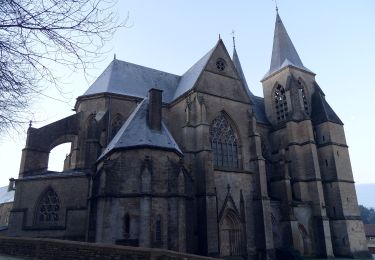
259 109
126 78
136 133
283 52
191 76
5 195
321 110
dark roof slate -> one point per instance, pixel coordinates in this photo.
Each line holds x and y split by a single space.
136 133
259 109
126 78
190 77
321 111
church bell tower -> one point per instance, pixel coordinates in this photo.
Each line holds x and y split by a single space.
310 136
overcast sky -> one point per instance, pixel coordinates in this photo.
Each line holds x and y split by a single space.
335 39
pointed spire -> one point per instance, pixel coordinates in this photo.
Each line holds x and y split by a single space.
237 65
283 53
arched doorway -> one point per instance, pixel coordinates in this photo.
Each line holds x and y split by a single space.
231 238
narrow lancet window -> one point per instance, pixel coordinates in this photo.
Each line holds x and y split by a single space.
126 225
304 98
116 124
158 232
281 103
224 144
92 129
49 208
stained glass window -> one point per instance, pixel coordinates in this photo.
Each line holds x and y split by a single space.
49 208
223 143
280 103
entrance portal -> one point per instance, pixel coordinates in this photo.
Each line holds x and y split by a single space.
231 238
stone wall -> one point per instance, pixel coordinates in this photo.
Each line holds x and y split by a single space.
4 213
62 249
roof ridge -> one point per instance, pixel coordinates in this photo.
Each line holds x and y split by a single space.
148 68
189 79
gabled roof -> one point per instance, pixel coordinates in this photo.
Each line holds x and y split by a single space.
237 64
125 78
5 195
321 111
136 133
190 77
283 52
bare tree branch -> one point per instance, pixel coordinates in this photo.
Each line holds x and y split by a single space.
37 33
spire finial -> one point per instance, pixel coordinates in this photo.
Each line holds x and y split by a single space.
114 56
276 7
30 123
219 36
234 39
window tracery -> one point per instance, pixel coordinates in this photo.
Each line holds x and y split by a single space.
49 208
220 64
281 103
224 144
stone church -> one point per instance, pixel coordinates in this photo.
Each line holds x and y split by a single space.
197 163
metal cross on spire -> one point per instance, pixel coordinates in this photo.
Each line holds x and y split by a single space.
234 40
277 8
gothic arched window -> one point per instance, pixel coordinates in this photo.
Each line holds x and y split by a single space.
223 143
92 129
281 104
48 208
116 125
303 96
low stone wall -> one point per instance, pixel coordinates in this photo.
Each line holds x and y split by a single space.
63 249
